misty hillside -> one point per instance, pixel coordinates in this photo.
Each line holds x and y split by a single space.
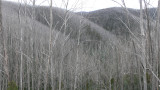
44 48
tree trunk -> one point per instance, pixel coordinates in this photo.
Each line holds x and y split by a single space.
143 45
1 40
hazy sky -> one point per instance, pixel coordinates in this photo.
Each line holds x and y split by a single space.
89 5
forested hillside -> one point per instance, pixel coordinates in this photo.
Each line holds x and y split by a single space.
49 48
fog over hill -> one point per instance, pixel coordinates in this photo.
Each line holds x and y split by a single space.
46 48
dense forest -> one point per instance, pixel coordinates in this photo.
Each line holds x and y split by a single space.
49 48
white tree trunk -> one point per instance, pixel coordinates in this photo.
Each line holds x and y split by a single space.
143 45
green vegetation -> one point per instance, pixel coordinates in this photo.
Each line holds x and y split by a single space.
12 86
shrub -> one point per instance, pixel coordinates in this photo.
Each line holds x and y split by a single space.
12 86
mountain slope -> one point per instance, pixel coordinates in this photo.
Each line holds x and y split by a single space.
119 21
38 61
74 22
75 54
112 20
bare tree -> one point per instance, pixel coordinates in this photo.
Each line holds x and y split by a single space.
1 43
143 45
